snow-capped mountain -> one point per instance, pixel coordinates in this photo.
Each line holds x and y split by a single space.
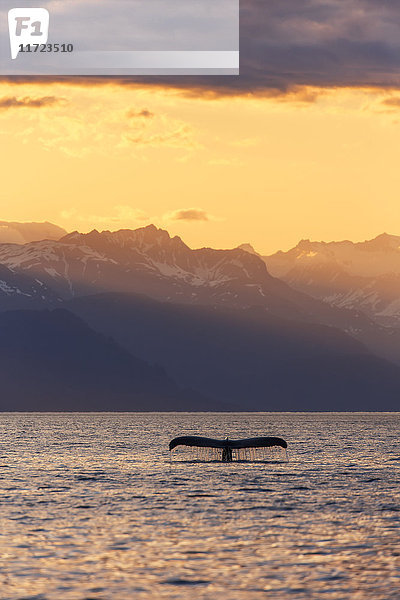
149 261
21 233
168 304
361 276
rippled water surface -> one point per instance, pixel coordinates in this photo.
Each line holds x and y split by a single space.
92 507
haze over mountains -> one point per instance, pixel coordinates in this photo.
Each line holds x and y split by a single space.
217 322
247 357
363 276
21 233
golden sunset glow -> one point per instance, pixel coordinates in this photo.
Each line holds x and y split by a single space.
200 299
315 163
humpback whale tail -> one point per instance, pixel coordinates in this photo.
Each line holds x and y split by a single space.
230 448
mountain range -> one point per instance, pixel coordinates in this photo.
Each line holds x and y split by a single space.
361 276
21 233
247 357
53 361
232 327
148 261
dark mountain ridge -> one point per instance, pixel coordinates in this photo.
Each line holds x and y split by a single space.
53 361
257 361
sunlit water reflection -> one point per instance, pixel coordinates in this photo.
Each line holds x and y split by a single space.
91 506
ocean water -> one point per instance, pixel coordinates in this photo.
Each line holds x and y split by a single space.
92 507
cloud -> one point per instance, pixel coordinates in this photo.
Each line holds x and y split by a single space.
289 45
245 142
188 214
27 102
392 102
177 137
144 114
127 213
290 49
95 122
121 215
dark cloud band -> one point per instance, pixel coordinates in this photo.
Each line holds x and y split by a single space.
27 102
287 44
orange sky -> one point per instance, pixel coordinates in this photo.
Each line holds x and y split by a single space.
320 164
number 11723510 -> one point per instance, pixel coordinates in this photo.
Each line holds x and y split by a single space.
46 48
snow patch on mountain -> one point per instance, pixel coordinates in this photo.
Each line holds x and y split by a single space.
7 289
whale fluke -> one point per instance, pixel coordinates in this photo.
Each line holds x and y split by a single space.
204 442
